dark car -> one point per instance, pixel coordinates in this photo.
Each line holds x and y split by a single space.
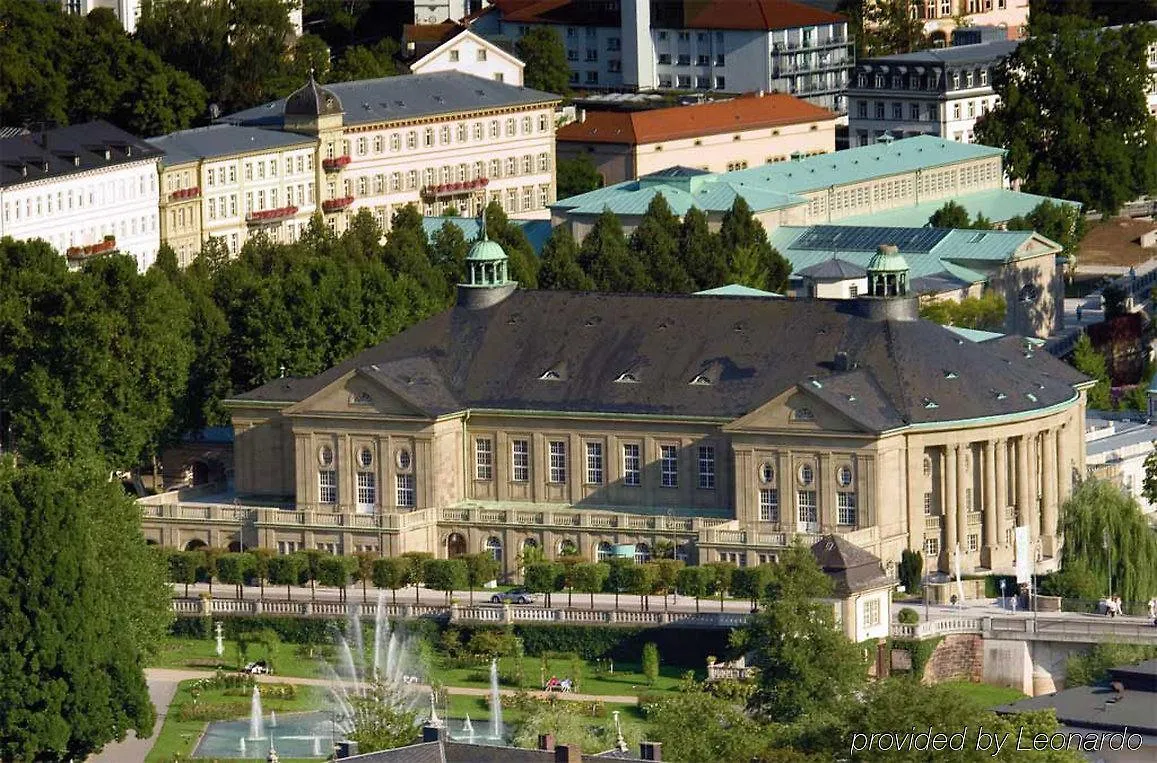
514 596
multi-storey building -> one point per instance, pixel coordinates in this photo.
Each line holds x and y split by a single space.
128 12
941 16
87 189
731 46
451 47
439 140
578 422
717 136
939 92
228 181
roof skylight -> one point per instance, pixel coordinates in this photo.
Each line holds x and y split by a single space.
550 375
627 378
929 403
701 380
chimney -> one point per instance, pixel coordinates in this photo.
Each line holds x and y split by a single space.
651 750
582 115
842 363
546 742
568 753
432 733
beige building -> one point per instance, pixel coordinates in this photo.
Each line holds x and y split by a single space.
940 16
580 422
718 136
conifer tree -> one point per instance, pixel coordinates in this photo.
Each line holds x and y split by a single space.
701 251
604 256
740 229
520 254
655 242
559 267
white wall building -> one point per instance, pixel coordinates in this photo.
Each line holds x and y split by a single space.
1117 450
87 189
468 53
730 46
940 92
129 11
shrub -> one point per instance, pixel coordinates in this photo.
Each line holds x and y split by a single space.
908 616
651 662
911 570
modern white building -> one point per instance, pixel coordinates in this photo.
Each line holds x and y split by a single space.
731 46
941 92
87 189
1117 450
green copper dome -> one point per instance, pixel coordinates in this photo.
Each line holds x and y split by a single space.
887 259
485 250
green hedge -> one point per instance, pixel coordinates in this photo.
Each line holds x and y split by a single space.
920 651
291 630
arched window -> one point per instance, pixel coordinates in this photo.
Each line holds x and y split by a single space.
455 545
642 553
567 547
604 551
493 546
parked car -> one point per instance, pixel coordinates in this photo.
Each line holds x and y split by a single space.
514 596
258 668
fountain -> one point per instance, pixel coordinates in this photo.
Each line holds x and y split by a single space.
220 642
434 719
256 723
272 719
241 746
468 729
495 703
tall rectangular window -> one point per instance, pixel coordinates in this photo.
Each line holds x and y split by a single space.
808 512
558 461
707 467
594 463
871 613
931 546
483 459
769 505
520 460
846 508
669 465
327 486
973 541
927 504
367 489
631 464
405 485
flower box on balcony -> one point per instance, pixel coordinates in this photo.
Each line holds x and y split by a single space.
334 164
267 216
185 193
109 244
454 189
336 205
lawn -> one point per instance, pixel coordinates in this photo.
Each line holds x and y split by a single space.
985 694
177 737
286 659
627 680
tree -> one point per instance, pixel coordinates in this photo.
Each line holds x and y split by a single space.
1074 580
618 580
543 52
183 566
567 563
951 215
446 575
694 581
481 568
750 255
520 254
416 570
638 579
1062 223
590 577
884 27
911 570
985 312
1115 299
208 570
1072 114
805 662
261 557
391 572
695 725
364 571
655 242
719 579
448 250
84 603
701 251
559 268
310 569
334 572
543 577
605 257
1091 363
360 62
577 175
651 662
749 582
666 576
232 569
1106 532
285 569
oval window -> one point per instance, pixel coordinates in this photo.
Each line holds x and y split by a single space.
766 473
365 457
844 475
325 455
806 474
405 460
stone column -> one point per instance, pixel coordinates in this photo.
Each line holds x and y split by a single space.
1024 496
826 493
990 507
1048 529
951 484
785 479
1064 474
1001 492
962 507
915 498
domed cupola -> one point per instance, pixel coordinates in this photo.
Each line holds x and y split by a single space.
487 273
312 100
888 296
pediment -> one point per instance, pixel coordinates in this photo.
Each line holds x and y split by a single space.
795 410
355 393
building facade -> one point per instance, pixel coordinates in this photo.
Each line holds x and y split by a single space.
934 92
718 136
466 52
731 46
730 427
128 12
87 189
941 17
1117 450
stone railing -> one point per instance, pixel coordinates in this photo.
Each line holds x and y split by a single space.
579 518
1088 629
320 516
454 612
932 628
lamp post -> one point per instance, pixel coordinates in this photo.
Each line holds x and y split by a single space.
1109 551
927 561
1003 598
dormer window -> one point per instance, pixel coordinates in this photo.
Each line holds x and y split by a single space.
1030 396
816 383
701 380
803 414
550 375
929 403
627 378
949 374
76 160
999 395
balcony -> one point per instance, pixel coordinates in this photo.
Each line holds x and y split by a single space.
601 520
454 189
80 253
185 193
931 521
334 164
336 205
270 216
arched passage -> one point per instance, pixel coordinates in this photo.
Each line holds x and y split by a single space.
196 545
455 545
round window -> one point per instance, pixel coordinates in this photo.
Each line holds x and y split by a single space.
766 473
365 457
405 460
844 475
806 474
325 455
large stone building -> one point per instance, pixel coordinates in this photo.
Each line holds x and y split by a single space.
87 189
731 46
578 422
438 140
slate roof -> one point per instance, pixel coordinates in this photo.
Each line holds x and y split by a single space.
672 14
751 112
223 140
753 348
29 157
851 568
977 53
833 268
408 96
1101 708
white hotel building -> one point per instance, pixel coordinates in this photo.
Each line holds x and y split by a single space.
440 140
87 189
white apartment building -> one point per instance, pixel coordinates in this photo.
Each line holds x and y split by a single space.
229 181
941 92
467 52
732 46
1117 450
87 189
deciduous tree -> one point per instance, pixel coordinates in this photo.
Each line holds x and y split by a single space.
1105 530
391 572
577 175
1091 363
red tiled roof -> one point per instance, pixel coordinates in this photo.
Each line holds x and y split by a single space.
748 112
435 33
672 14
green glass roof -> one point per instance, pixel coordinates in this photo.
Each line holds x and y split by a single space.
997 204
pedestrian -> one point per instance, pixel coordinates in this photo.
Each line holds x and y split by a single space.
1079 311
1153 610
